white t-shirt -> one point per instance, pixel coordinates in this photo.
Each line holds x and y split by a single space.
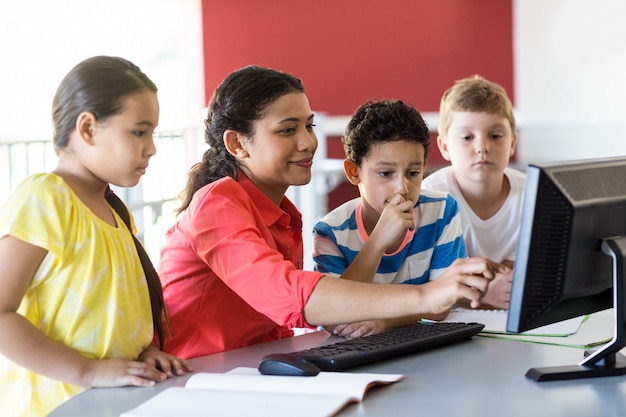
496 237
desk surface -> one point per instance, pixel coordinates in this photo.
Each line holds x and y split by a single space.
481 377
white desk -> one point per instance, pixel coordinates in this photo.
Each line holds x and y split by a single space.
481 377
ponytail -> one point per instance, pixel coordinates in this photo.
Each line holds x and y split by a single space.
237 103
159 316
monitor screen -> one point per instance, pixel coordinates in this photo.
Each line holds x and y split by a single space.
571 251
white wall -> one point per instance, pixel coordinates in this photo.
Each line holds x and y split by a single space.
570 78
570 66
40 40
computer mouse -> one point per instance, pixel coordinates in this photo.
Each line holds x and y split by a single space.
287 364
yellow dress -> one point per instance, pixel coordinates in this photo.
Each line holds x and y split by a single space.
89 292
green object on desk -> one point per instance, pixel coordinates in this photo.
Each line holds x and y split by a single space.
582 333
547 340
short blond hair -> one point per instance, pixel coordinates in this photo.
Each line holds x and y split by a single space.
474 94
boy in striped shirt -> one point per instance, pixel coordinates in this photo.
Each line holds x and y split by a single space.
395 232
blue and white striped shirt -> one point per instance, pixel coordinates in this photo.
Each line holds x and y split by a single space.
436 242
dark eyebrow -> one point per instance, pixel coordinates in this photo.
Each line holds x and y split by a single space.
385 163
391 164
145 123
295 119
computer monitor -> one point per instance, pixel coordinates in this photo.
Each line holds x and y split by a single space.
570 256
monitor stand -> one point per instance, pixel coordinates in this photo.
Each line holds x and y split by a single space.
606 361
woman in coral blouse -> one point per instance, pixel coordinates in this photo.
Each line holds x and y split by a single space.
231 267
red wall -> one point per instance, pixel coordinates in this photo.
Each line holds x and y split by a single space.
349 51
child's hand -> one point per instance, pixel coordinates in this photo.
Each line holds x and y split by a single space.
167 363
121 372
499 291
397 217
360 329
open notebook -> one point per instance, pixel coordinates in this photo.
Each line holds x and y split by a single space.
245 392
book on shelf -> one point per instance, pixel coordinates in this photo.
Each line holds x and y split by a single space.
245 392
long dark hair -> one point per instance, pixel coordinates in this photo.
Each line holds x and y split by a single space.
159 315
237 103
99 85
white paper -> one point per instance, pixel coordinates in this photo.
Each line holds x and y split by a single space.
245 392
344 384
186 402
495 322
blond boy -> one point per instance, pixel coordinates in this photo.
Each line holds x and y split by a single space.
477 134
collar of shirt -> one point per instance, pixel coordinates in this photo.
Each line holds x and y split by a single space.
286 215
408 235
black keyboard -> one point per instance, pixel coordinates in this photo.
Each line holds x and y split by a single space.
392 343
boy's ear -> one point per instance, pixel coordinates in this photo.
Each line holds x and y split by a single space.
513 145
85 127
351 170
442 144
233 141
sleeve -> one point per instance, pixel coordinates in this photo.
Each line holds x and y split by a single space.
38 213
326 254
450 244
511 256
436 181
231 238
517 178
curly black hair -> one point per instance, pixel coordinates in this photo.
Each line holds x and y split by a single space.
379 121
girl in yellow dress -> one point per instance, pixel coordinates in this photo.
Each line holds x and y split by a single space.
77 309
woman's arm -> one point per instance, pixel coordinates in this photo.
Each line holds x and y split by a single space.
337 301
